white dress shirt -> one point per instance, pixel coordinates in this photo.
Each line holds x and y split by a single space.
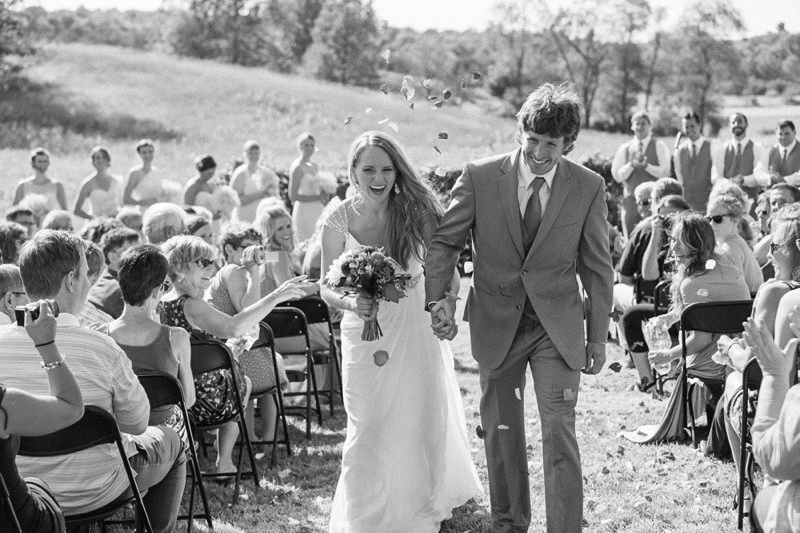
791 179
524 181
621 168
760 176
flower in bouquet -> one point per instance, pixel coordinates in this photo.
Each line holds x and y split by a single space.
368 272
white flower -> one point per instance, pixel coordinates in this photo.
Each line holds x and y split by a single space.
711 264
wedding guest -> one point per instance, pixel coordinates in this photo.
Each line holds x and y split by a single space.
41 183
12 293
97 227
161 221
24 217
725 213
275 224
58 219
200 226
198 190
12 236
252 181
31 415
101 189
131 218
90 316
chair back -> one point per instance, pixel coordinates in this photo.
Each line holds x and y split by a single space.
210 354
313 307
661 297
96 427
290 330
7 506
161 389
716 317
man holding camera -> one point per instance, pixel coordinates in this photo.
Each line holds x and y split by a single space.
53 267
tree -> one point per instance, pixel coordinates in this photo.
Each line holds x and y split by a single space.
634 16
14 37
345 45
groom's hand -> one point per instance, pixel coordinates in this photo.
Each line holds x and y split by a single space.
443 319
595 357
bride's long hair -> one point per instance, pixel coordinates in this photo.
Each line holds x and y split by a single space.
411 200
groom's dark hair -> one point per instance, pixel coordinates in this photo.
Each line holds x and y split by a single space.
554 111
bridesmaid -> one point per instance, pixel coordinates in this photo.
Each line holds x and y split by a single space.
40 182
252 182
101 188
304 190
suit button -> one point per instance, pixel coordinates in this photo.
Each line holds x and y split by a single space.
525 272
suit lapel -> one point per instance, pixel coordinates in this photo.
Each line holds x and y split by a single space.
509 202
558 195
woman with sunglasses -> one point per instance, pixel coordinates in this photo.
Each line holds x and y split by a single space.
700 276
725 213
190 268
151 346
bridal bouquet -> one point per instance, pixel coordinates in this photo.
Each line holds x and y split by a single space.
368 272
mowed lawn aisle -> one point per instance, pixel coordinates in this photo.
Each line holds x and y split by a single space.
628 487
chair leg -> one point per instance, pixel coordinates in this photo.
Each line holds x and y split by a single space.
250 453
197 479
690 406
316 391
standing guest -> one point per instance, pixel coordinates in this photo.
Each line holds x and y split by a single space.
742 160
144 186
12 293
106 294
24 217
29 415
639 160
90 316
101 189
199 190
58 219
131 218
693 162
725 213
554 228
306 191
12 236
252 181
53 266
41 183
163 221
784 157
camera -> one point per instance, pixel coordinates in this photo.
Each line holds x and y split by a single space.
666 223
19 311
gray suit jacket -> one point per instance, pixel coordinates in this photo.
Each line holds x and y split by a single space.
572 244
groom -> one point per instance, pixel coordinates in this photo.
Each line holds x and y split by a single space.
541 295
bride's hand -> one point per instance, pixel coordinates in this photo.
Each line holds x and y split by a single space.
366 308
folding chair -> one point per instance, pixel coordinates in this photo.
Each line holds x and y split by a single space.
290 330
5 497
96 427
316 311
208 355
751 380
661 297
164 390
267 340
710 317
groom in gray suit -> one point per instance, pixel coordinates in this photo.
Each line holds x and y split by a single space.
541 295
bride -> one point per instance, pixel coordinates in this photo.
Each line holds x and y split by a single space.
406 461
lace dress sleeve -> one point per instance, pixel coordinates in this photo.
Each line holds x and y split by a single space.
336 219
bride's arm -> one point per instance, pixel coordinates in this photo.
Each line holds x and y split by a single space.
332 247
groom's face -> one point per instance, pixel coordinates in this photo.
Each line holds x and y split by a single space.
541 152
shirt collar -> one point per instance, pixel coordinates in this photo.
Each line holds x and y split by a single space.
789 148
67 320
743 141
644 141
526 177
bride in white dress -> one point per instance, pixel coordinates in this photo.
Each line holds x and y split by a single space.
406 461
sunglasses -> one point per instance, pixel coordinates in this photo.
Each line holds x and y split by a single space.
204 263
717 219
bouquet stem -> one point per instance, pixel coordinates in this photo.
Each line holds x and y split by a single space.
372 330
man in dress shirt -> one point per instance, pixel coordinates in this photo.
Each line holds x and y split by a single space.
639 160
741 160
784 157
693 163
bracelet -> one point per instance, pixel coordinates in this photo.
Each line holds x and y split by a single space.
54 364
44 344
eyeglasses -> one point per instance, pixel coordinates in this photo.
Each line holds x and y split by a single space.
18 293
204 263
717 219
643 203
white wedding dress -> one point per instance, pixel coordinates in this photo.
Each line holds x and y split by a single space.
406 461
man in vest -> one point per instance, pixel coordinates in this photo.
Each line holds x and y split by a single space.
741 160
637 161
784 157
693 163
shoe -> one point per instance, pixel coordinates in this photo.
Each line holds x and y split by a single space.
645 385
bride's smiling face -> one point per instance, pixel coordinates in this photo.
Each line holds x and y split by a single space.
374 173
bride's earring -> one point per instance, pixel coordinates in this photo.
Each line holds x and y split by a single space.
396 188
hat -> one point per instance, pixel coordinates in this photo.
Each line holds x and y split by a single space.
205 162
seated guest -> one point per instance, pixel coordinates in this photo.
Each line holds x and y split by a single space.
191 261
24 217
96 228
53 266
58 219
151 346
199 190
200 226
700 277
27 415
275 223
12 236
105 294
779 195
161 221
131 218
12 293
725 213
776 432
90 316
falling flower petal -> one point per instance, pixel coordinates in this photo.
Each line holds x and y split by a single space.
381 357
393 126
384 88
438 103
440 171
502 426
446 94
387 55
476 76
408 88
432 98
384 121
427 83
368 110
443 135
411 105
463 84
348 120
437 149
615 366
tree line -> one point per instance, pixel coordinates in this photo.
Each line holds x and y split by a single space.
619 54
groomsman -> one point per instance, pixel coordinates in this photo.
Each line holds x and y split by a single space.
784 157
637 161
741 160
693 163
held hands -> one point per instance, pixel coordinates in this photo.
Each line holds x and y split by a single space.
253 256
42 330
443 319
771 359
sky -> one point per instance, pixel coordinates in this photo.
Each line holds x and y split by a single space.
760 16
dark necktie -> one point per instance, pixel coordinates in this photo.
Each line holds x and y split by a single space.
533 214
783 159
737 160
694 151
